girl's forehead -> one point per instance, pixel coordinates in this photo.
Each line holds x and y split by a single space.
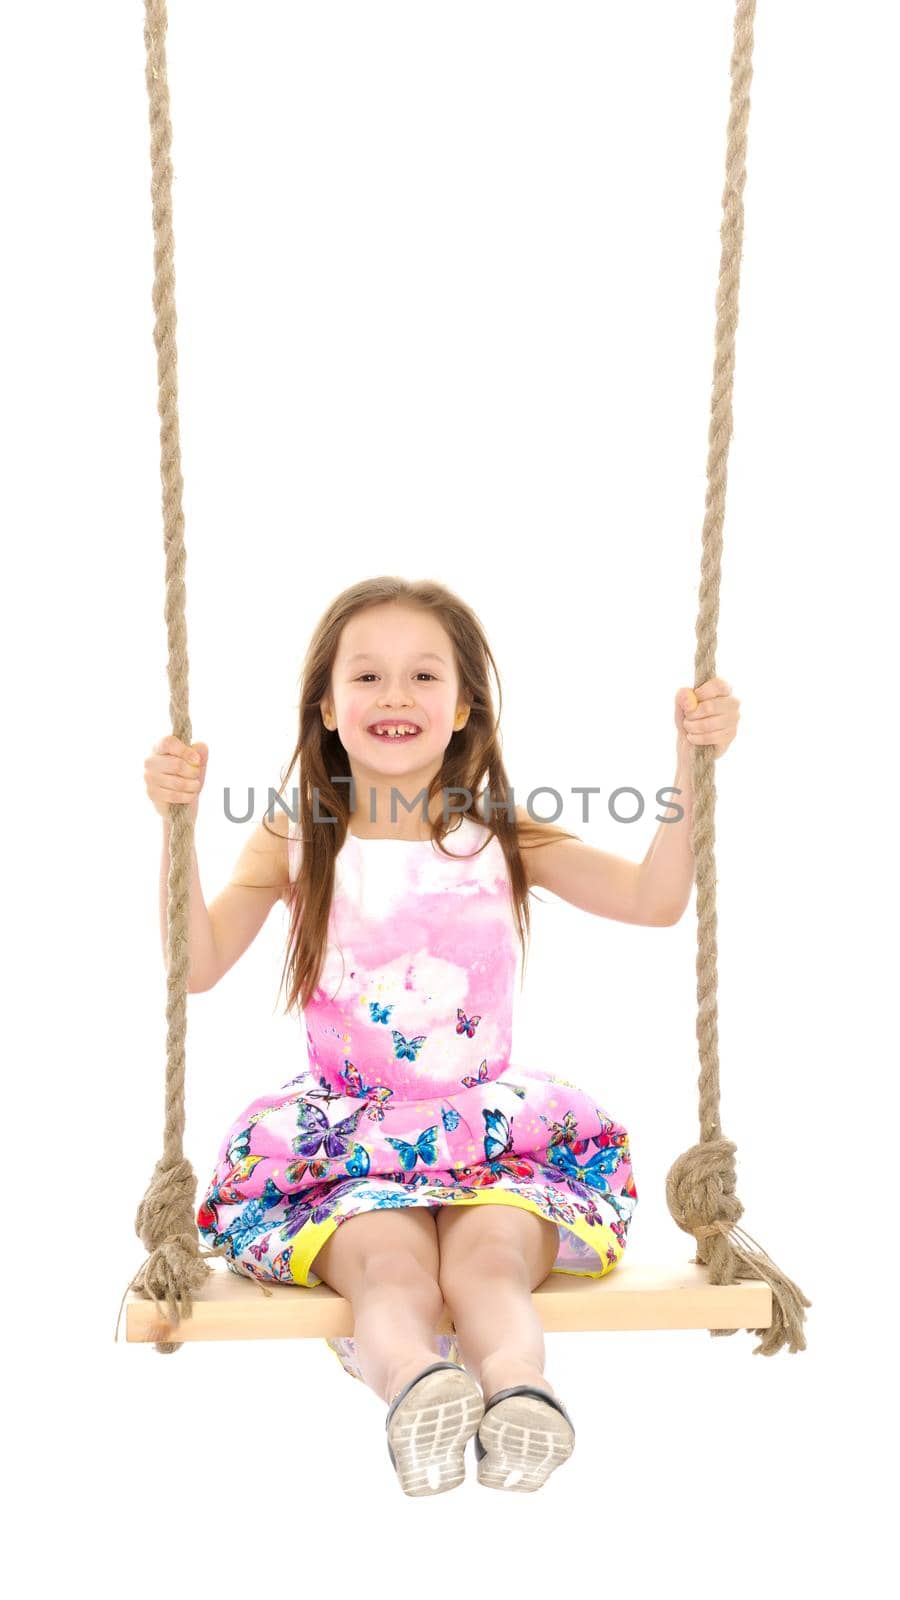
386 644
400 653
393 629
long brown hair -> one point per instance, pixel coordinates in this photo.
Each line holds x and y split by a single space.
473 754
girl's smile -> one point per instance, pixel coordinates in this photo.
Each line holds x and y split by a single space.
389 732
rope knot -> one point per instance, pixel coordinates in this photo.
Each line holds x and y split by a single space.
700 1189
165 1223
170 1272
700 1192
168 1202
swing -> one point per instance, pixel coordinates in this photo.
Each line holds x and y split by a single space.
175 1297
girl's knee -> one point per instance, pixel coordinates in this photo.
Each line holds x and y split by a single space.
519 1250
403 1273
489 1260
374 1241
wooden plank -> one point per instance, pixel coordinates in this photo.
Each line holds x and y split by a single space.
633 1296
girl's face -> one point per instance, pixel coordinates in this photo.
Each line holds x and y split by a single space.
394 663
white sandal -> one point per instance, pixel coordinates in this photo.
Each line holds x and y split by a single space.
429 1423
524 1434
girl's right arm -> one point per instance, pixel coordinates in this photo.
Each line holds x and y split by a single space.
220 933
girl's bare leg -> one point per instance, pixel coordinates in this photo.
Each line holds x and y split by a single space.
386 1264
491 1259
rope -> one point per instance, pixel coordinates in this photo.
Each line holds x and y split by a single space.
165 1221
700 1185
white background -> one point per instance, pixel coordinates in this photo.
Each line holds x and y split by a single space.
445 286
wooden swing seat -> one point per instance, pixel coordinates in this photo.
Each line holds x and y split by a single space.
633 1296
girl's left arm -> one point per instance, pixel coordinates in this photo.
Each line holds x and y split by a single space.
653 892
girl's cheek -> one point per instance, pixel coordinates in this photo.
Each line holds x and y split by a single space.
354 710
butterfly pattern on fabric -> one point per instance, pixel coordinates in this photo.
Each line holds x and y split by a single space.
377 1096
482 1076
466 1024
424 1149
407 1047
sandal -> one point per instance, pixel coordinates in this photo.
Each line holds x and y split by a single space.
429 1423
524 1434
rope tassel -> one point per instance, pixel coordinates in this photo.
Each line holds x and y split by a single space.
700 1184
175 1268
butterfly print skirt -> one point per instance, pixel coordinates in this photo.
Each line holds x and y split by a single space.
298 1163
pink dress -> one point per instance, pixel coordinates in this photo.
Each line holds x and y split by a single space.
412 1095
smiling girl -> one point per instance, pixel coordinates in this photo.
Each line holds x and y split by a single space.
418 1162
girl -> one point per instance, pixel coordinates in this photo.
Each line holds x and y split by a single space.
414 1165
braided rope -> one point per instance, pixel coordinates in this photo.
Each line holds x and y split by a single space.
166 1219
700 1185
